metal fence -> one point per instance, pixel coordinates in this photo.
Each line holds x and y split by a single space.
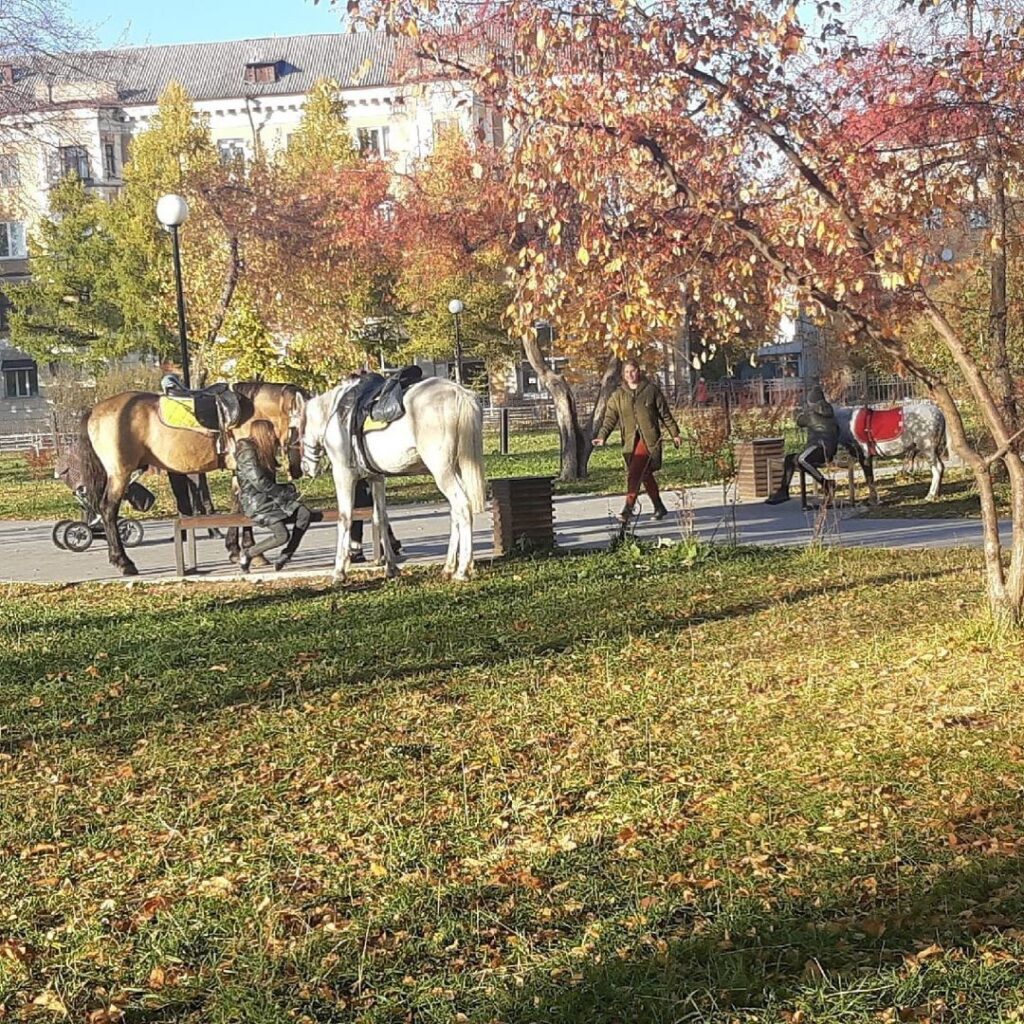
30 442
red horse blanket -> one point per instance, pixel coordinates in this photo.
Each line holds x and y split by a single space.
873 426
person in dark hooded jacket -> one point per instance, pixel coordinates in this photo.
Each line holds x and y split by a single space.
818 418
264 500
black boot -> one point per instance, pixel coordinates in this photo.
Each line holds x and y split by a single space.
659 510
626 514
778 497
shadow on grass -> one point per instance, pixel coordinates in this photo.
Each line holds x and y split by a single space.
834 961
169 664
957 500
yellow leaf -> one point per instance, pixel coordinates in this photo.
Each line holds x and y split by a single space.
378 870
583 256
49 1000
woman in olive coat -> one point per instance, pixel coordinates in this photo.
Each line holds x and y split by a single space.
640 411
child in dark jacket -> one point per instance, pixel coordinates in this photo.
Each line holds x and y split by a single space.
264 500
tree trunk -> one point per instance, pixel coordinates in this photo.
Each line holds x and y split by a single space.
998 312
574 438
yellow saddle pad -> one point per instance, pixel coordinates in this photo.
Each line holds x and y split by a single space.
179 413
370 425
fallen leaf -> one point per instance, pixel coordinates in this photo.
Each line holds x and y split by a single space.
49 1000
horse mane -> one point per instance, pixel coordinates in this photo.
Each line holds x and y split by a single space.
250 388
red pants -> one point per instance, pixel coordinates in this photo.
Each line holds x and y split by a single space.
638 471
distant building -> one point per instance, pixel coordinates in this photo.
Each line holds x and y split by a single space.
251 91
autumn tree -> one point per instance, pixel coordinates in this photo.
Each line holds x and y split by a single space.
763 154
322 260
451 223
175 154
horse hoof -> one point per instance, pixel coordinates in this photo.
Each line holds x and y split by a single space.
233 558
337 577
129 569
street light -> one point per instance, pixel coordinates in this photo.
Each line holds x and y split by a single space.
172 212
455 307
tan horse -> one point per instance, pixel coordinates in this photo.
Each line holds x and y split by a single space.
125 434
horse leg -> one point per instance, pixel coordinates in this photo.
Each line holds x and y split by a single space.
344 486
466 567
182 490
938 469
248 540
203 499
110 505
459 563
383 528
867 464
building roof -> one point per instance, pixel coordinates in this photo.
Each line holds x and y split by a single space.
212 71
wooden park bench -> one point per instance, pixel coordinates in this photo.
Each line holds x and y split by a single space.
185 527
837 471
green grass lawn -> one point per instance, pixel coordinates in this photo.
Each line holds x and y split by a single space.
533 454
768 787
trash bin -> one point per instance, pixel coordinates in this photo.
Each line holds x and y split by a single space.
523 514
753 461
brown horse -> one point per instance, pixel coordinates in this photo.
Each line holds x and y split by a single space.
124 434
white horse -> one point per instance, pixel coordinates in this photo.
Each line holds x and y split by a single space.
917 427
440 433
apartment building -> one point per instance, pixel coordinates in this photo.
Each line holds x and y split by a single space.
81 116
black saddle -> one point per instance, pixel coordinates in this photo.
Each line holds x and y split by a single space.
216 407
377 398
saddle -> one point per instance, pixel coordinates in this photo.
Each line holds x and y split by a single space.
871 427
372 404
215 408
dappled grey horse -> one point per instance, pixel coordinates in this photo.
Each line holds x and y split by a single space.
916 428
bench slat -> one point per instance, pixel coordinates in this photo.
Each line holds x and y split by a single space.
238 519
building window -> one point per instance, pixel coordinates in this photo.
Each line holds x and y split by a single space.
528 375
109 161
8 170
258 74
497 129
374 141
74 160
474 373
444 126
531 385
12 240
21 383
231 152
977 218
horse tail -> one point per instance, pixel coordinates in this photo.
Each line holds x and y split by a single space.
470 448
91 472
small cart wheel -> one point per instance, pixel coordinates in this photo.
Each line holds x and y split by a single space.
77 536
58 532
130 531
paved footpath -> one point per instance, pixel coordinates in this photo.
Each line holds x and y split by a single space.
27 554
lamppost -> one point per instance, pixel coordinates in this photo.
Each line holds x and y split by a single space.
455 307
172 212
